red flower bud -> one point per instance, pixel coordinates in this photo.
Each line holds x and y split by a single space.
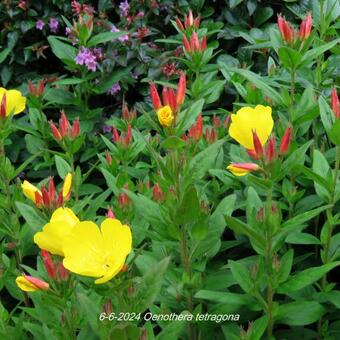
271 150
75 129
335 103
55 132
49 264
64 125
285 29
179 24
186 44
181 88
115 135
203 46
3 106
45 197
172 100
156 101
51 190
285 142
110 213
257 145
157 193
194 42
62 272
306 27
165 96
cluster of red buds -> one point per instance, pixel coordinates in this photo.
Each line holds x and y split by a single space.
128 115
211 135
49 198
289 34
124 139
335 103
123 199
270 151
170 69
196 131
54 271
78 8
37 90
169 97
142 32
189 21
65 129
194 45
157 193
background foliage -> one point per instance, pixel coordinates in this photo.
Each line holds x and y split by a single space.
199 232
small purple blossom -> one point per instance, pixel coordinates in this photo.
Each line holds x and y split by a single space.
68 31
54 24
86 57
115 88
39 25
122 38
140 14
124 8
107 128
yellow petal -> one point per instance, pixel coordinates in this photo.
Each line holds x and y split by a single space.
67 185
51 238
237 171
29 190
117 237
84 250
246 120
25 285
15 101
165 116
113 271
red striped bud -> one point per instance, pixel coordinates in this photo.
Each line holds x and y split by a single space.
49 265
156 101
257 145
181 88
285 141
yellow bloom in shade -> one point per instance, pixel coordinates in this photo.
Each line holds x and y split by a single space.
30 283
165 116
52 236
15 101
247 120
241 169
95 252
67 185
29 190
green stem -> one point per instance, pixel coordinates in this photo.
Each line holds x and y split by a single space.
269 266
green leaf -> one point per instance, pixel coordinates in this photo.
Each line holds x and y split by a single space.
62 166
241 275
306 278
299 313
302 238
105 37
107 81
189 207
321 168
189 116
4 53
241 228
258 81
111 181
33 219
312 54
286 265
149 286
289 57
224 297
91 310
205 160
334 134
320 180
62 50
173 142
326 114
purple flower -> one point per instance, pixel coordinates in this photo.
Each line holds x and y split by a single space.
115 88
122 38
54 24
107 128
86 57
68 31
39 25
140 14
124 8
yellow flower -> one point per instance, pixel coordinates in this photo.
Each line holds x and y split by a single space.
29 190
30 284
247 120
165 116
61 224
95 252
241 169
15 101
67 185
